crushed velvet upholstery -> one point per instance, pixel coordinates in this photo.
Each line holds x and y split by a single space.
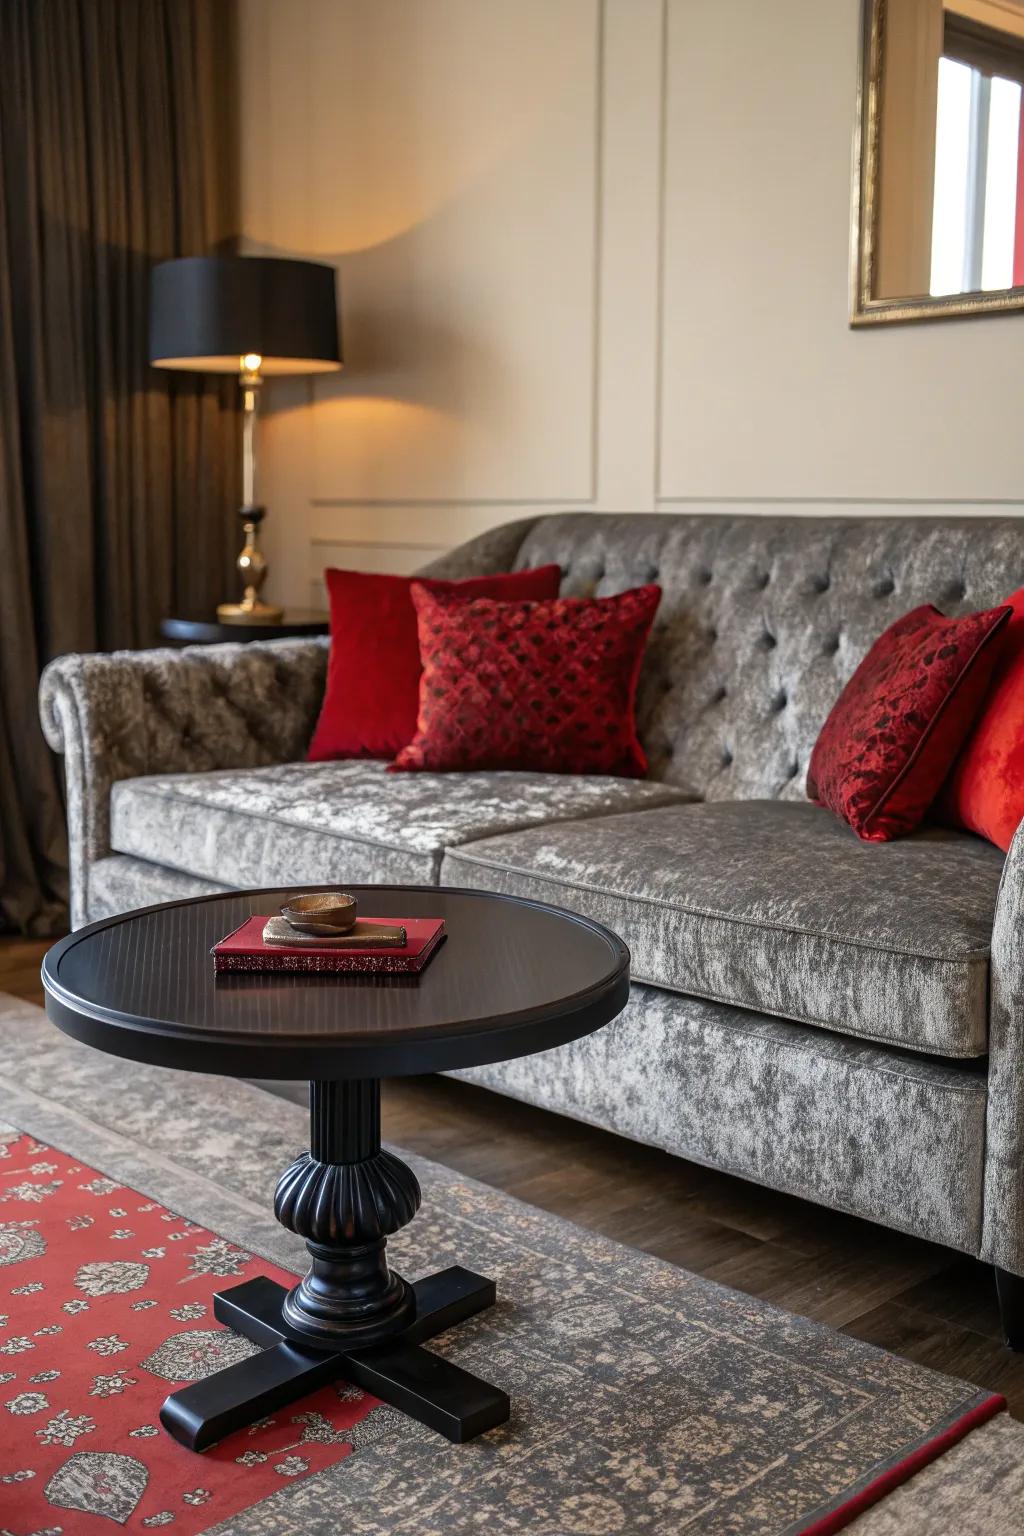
351 821
776 907
129 713
120 884
887 1135
762 621
1003 1235
497 549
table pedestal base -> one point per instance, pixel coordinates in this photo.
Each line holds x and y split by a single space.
351 1317
399 1371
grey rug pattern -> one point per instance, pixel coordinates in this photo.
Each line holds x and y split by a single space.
645 1399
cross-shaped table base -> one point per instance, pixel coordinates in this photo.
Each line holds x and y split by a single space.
399 1370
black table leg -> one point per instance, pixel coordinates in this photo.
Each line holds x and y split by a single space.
345 1196
350 1318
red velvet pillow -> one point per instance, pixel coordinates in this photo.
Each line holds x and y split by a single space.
544 686
898 724
985 793
373 671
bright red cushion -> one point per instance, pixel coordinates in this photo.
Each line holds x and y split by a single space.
373 671
985 793
542 686
897 726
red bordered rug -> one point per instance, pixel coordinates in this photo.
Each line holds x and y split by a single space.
105 1308
645 1399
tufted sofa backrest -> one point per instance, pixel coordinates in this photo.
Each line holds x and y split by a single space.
763 619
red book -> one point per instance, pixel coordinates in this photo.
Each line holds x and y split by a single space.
244 950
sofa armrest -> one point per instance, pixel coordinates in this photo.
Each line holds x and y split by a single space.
128 713
1003 1225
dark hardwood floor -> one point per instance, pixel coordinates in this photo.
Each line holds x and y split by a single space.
905 1295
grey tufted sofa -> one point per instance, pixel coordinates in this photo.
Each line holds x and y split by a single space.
840 1020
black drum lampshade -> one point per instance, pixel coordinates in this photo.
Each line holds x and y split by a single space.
207 313
253 316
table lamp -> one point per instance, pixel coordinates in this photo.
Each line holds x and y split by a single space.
254 316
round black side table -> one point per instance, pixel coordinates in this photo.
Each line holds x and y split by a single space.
512 977
296 624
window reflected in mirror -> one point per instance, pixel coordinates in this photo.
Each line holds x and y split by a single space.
939 210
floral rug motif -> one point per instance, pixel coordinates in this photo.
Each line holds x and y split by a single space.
106 1306
646 1401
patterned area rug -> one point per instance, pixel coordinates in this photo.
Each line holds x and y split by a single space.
645 1399
108 1309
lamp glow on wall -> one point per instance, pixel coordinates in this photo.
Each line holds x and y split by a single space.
256 317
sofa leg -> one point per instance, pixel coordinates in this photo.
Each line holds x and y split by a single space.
1010 1290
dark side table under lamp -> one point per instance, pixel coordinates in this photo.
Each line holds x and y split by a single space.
256 317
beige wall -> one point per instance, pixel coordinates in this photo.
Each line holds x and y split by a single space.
591 255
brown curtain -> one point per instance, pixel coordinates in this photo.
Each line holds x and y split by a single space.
117 149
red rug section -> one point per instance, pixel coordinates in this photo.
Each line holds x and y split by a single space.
903 1470
106 1306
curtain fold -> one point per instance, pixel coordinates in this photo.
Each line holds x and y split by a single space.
117 149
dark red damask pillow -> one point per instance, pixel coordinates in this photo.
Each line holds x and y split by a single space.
541 686
373 670
895 729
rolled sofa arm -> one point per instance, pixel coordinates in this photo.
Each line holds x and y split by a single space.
124 714
127 713
1002 1240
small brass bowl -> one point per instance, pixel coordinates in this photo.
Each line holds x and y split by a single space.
327 913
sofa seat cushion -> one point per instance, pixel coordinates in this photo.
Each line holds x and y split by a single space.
890 1135
306 823
778 907
120 883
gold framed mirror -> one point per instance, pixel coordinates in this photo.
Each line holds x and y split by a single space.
938 177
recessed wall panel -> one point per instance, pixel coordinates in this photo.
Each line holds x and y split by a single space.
453 165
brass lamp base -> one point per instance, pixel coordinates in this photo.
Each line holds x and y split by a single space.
247 612
252 567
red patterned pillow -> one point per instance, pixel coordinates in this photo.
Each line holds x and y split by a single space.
373 671
898 724
545 686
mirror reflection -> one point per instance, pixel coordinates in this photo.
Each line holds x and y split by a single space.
942 152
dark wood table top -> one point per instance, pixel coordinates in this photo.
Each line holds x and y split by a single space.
511 978
207 629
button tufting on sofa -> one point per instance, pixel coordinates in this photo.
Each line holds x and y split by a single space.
860 963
